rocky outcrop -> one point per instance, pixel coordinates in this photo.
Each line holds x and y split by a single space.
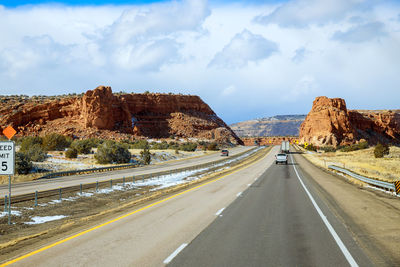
280 125
100 113
330 123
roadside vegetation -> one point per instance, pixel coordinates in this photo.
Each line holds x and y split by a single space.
37 152
380 161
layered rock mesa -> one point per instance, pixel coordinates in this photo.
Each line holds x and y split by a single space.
100 113
280 125
265 141
331 123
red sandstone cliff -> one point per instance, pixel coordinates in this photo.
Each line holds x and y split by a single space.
100 113
330 123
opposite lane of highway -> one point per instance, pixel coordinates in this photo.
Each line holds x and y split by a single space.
54 183
148 237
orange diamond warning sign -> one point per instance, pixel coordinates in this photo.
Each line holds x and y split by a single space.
9 132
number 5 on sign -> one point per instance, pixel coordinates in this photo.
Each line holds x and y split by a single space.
7 158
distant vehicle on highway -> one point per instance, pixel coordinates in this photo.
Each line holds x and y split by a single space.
285 146
281 158
224 152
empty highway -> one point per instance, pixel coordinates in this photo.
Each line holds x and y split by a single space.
260 215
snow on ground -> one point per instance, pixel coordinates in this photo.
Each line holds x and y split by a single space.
38 219
13 212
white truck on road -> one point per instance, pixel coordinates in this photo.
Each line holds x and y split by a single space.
285 146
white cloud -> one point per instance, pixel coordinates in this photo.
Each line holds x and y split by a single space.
243 48
302 13
228 91
216 52
361 33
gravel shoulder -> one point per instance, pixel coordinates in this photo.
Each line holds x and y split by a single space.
373 217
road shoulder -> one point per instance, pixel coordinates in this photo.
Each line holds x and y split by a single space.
371 217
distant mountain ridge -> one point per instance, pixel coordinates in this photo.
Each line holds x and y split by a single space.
279 125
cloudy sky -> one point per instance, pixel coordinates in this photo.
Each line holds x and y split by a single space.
246 59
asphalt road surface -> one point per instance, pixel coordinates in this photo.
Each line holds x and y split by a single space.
261 215
54 183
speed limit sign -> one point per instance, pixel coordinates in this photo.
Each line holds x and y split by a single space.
7 158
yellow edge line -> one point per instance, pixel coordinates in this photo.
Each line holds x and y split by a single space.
123 216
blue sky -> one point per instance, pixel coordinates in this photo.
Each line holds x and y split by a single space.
246 59
16 3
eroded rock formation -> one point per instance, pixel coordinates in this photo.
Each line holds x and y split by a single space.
330 123
100 113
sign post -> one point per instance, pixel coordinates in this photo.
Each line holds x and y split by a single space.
7 162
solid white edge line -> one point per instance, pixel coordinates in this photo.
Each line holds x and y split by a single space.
239 194
173 255
335 236
219 212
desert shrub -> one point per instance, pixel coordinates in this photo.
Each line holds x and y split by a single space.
82 146
54 141
354 147
27 142
311 147
139 144
23 165
381 150
188 146
111 152
173 145
328 148
160 146
35 152
71 153
145 155
212 146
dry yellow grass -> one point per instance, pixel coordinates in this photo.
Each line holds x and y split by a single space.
362 162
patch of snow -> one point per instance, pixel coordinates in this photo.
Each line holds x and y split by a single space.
39 220
13 212
85 194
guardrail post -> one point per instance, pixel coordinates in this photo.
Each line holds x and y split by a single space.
111 183
5 203
97 186
133 179
397 186
59 192
36 195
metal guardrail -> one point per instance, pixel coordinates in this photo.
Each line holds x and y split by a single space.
87 171
377 183
59 191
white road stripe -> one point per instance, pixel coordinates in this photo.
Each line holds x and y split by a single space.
248 184
219 212
239 194
335 236
173 255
